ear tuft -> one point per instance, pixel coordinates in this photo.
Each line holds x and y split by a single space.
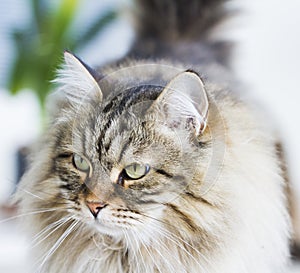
184 101
77 80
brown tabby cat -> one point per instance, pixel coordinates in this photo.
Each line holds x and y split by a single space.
148 167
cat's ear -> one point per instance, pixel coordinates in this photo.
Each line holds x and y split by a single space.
184 102
77 79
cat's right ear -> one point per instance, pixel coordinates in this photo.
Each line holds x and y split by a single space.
184 102
77 80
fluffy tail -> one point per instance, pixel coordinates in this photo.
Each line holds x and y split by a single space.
178 19
164 24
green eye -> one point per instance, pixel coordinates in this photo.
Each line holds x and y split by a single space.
80 163
136 171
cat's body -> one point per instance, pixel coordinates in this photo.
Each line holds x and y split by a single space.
145 169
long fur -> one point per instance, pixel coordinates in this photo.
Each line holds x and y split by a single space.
213 201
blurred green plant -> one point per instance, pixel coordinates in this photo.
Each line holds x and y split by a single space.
40 44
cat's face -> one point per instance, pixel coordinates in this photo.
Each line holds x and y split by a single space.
124 164
119 169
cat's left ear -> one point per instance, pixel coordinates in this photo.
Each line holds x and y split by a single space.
77 79
184 102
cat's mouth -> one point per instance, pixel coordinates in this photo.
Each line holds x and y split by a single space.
117 221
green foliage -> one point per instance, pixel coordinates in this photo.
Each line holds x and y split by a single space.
40 44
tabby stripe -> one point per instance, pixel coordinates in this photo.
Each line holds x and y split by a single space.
133 95
171 176
147 202
84 143
124 148
60 134
64 155
164 173
183 216
118 112
198 198
66 187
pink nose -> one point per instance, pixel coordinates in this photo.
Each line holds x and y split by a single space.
95 207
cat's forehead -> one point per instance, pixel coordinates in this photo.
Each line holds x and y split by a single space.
124 111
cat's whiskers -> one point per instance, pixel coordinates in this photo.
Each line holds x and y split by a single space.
32 194
134 246
138 244
127 240
48 194
45 229
58 243
41 191
173 237
157 240
134 240
27 214
149 252
49 230
175 228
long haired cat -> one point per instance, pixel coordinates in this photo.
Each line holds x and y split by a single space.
154 164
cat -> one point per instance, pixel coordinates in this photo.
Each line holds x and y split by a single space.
154 163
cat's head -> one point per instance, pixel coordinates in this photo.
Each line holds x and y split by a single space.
123 159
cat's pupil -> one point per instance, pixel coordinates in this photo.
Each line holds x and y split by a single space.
135 171
80 163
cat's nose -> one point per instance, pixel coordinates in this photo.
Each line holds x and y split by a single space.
95 207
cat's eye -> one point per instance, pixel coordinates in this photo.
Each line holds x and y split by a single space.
136 171
80 163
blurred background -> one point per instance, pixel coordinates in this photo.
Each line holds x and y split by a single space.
34 33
